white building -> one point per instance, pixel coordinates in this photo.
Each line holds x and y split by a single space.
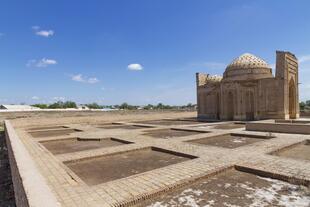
11 107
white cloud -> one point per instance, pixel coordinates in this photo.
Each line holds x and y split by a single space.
81 78
60 98
44 62
92 80
304 58
43 33
77 77
135 66
35 98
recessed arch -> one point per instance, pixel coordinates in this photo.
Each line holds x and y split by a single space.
230 106
292 99
249 106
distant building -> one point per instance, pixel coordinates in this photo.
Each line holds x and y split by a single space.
249 91
12 107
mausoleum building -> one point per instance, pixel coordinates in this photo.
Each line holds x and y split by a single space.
249 91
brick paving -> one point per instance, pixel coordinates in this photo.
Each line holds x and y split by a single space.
70 190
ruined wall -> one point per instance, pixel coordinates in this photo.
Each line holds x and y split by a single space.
286 74
208 95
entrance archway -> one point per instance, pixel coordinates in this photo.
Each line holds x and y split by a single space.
249 107
292 99
230 106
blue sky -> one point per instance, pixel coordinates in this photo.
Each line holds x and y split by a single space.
139 51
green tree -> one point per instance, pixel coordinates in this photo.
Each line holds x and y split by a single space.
56 105
94 106
41 106
302 105
148 107
62 105
124 106
69 104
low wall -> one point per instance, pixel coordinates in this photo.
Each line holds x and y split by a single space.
304 113
5 115
30 188
296 121
278 127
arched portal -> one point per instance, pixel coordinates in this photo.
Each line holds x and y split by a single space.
292 99
249 106
230 106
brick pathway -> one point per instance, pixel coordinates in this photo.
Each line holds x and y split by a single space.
70 190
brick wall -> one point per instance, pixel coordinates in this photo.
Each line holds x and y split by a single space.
30 187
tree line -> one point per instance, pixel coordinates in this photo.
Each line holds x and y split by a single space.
304 106
125 106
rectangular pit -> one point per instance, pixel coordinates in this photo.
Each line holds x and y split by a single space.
290 128
52 133
121 126
47 128
170 133
231 140
169 122
107 168
298 151
77 144
234 188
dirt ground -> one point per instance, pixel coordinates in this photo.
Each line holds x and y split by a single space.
168 122
52 133
6 186
300 151
227 141
169 133
74 145
234 188
107 168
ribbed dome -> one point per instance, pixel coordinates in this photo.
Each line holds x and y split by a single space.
247 61
248 66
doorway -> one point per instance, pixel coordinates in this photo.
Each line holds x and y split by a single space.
249 107
218 106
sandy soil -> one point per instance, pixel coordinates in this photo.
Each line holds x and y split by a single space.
103 169
169 133
74 145
227 141
300 151
235 188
